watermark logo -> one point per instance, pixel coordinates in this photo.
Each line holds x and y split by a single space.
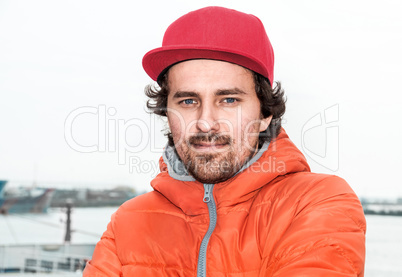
129 137
322 128
112 132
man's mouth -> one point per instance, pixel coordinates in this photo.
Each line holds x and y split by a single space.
208 147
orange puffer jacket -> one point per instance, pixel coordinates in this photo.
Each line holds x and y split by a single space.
274 218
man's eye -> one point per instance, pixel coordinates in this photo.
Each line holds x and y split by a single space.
188 101
230 100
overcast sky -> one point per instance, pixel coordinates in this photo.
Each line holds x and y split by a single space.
72 102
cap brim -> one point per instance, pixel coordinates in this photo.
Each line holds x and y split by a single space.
156 61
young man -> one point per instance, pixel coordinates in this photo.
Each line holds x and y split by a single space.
235 197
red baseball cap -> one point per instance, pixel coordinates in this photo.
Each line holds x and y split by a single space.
214 33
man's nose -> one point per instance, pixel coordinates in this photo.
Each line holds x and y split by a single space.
207 120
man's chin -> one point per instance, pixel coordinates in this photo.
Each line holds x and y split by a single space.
213 168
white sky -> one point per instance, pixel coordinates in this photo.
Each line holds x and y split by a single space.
58 56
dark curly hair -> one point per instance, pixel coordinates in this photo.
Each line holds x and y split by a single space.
272 102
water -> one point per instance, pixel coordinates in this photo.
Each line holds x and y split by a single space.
384 246
88 225
384 234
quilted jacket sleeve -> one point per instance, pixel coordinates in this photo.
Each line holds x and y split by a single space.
105 262
326 236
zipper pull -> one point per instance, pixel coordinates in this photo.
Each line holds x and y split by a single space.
207 192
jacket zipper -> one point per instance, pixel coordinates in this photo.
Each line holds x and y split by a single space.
202 256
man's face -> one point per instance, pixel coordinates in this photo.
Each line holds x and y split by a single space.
215 117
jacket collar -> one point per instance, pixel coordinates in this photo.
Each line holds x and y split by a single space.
278 158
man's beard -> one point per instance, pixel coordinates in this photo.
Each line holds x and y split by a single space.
216 167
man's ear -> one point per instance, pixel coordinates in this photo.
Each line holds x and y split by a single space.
265 123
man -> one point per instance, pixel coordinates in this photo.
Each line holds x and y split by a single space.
235 197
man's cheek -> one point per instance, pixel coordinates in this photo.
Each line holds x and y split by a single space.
251 134
227 128
176 127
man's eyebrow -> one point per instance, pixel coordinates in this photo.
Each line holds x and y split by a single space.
223 92
180 94
220 92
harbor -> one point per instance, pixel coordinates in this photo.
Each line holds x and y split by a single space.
60 239
43 232
54 234
50 242
384 243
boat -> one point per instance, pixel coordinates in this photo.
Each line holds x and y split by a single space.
52 259
92 197
24 200
2 185
49 259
